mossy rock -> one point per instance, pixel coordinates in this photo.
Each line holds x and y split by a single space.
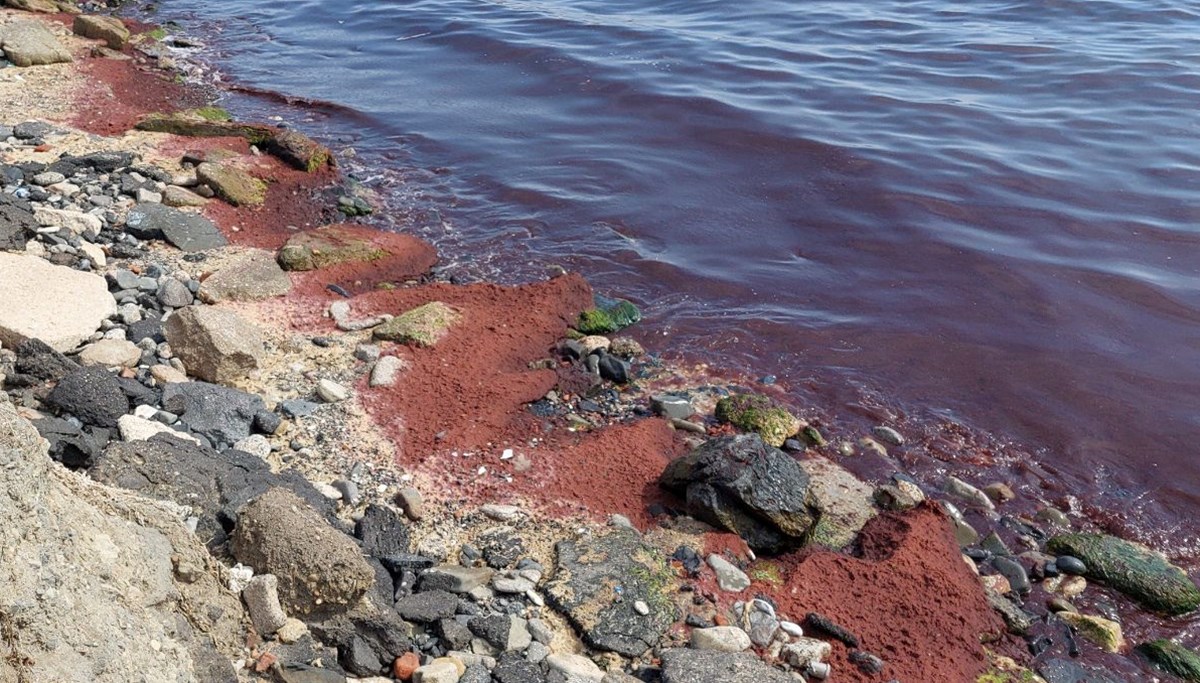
1006 670
329 246
595 321
292 147
1172 658
1137 571
232 184
759 414
846 503
422 326
609 315
1105 633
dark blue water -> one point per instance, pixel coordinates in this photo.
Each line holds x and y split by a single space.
930 212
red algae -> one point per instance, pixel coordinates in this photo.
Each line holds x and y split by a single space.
120 92
909 598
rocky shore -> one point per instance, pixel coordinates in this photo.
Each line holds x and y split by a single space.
244 437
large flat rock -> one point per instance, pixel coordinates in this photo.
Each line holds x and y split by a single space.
56 304
30 43
94 576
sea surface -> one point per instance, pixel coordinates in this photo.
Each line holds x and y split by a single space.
977 218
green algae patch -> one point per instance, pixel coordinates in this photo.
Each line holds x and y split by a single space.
759 414
422 326
213 114
232 184
1172 658
595 321
1144 575
768 572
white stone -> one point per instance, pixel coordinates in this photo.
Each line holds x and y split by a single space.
721 639
804 651
502 513
641 607
255 444
111 353
791 628
75 221
387 371
291 631
239 577
94 253
729 577
59 305
437 671
261 595
134 428
575 667
332 392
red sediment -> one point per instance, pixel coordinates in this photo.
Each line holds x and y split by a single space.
910 599
119 93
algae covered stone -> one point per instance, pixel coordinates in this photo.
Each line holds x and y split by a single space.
609 315
232 184
422 326
845 503
1135 570
400 256
1105 633
759 414
1172 658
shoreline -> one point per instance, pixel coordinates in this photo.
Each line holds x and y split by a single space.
468 394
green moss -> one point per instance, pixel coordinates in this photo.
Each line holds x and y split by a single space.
422 326
655 575
766 571
1142 574
157 33
1172 658
813 436
212 114
759 414
595 321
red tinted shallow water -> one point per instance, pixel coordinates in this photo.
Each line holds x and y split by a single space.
975 222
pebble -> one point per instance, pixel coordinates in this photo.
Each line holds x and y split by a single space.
540 631
1070 565
411 503
332 392
721 639
888 435
502 513
348 491
386 371
968 493
792 629
641 608
729 577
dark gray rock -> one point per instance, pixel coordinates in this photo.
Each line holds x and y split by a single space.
682 665
492 628
267 422
69 444
502 549
92 395
598 581
362 639
174 294
428 606
1070 565
382 531
511 667
454 634
221 414
187 231
298 407
37 359
30 130
741 484
672 406
302 673
1012 570
17 223
213 484
1065 671
613 369
476 673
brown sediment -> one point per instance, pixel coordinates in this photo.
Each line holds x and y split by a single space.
910 599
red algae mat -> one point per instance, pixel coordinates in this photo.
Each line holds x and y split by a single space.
909 598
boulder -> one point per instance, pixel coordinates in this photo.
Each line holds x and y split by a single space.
400 256
31 43
248 276
422 326
215 344
682 665
598 581
1172 658
36 359
58 305
214 485
232 184
102 27
1105 633
222 415
741 484
319 568
187 231
844 502
75 221
1144 575
114 574
759 414
91 394
291 146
